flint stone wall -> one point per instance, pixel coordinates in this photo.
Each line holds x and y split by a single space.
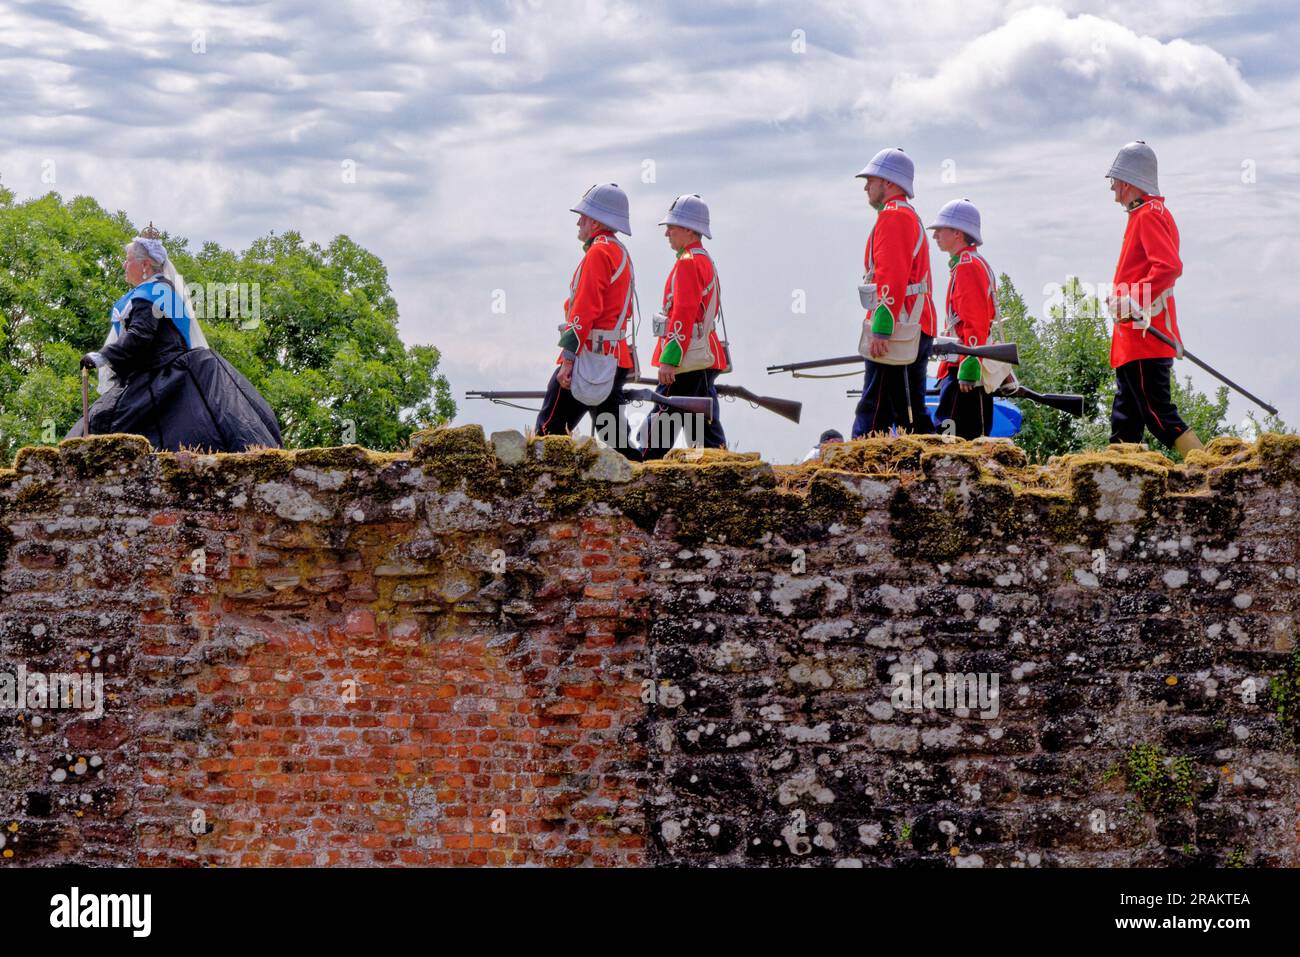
526 652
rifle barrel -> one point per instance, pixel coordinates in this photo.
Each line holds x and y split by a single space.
814 364
492 395
1169 341
1001 351
701 405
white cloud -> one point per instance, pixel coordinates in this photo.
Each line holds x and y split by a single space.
1043 68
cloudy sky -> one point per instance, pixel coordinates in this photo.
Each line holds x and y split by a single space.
451 139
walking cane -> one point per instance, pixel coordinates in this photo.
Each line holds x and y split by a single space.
85 401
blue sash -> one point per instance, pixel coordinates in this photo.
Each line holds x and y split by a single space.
165 300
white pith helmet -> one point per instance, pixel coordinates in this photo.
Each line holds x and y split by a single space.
960 214
607 204
893 165
1136 165
690 212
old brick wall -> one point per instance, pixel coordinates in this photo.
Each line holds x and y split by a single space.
527 653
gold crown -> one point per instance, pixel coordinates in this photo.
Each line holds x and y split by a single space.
150 232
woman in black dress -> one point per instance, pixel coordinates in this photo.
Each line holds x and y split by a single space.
158 377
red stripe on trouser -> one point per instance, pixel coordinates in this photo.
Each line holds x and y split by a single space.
547 424
1142 386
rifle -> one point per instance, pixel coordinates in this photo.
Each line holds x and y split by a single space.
786 408
940 346
698 405
1177 346
1069 404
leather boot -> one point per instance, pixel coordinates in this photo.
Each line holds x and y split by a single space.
1187 441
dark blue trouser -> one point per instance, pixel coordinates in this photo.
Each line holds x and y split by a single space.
660 429
971 412
895 396
561 413
1142 400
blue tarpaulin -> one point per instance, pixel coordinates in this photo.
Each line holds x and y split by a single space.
1006 417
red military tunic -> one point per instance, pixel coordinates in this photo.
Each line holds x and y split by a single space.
685 304
970 303
901 258
1147 268
597 294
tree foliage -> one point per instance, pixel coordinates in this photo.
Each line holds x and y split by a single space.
323 347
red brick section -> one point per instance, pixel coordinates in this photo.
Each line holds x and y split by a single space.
321 729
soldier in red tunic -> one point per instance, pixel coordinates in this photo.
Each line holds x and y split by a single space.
1143 296
688 352
898 264
971 307
596 317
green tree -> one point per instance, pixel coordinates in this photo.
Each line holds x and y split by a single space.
1069 351
323 348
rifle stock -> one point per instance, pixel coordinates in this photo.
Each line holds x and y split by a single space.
786 408
1000 351
1069 404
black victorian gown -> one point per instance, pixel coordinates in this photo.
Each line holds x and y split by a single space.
175 395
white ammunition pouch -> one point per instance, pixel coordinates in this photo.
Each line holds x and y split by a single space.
994 373
905 343
594 368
